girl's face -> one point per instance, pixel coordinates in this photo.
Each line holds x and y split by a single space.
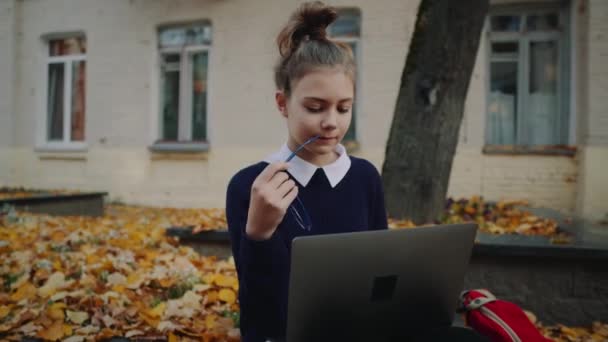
320 104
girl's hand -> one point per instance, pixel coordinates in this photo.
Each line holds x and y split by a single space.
271 194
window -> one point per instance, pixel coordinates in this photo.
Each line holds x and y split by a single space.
184 61
347 29
528 102
66 90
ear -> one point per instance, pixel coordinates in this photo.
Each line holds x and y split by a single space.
281 101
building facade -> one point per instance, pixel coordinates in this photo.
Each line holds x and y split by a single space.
160 102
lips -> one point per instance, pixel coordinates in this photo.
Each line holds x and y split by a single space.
328 140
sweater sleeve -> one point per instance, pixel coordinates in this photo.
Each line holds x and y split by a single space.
378 219
259 266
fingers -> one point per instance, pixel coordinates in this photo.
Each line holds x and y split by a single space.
278 179
289 197
271 170
285 188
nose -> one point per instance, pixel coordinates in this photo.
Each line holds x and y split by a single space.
330 120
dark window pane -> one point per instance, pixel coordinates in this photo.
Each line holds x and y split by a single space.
502 105
505 47
504 77
67 46
55 101
185 35
543 22
199 95
505 23
348 24
78 100
170 96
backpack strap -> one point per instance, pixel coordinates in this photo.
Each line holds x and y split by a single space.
477 302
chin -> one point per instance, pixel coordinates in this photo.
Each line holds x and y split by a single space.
326 148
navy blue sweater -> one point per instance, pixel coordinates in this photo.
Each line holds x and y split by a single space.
356 203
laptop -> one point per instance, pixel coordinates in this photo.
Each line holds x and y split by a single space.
376 285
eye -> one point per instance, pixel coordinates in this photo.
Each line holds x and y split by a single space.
314 109
344 110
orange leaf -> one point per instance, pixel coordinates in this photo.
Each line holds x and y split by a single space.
167 282
4 311
67 330
54 332
25 291
172 337
211 296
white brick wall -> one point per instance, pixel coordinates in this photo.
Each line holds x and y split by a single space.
592 201
122 95
598 73
7 79
7 51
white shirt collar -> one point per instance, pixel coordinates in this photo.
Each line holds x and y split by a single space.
303 171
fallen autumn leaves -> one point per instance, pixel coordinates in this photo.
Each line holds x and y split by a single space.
77 278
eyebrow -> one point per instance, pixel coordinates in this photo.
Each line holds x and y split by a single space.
323 100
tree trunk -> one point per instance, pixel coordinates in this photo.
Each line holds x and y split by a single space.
430 105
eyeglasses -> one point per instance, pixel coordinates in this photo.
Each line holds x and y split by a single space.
297 206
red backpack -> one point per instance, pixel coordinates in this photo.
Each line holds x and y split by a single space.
499 320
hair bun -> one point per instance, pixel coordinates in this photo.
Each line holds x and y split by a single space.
309 22
314 17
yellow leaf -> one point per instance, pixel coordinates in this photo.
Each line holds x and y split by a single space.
152 322
55 311
209 278
134 281
92 259
157 311
226 281
25 291
57 266
4 311
227 295
118 288
67 330
135 236
53 332
172 337
167 282
151 255
210 321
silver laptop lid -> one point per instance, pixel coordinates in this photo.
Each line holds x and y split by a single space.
376 284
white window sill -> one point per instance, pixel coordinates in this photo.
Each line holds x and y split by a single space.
550 150
62 147
179 147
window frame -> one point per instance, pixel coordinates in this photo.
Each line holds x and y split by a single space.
66 143
184 127
523 37
357 53
184 142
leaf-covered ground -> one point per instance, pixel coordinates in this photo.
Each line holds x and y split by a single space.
79 278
